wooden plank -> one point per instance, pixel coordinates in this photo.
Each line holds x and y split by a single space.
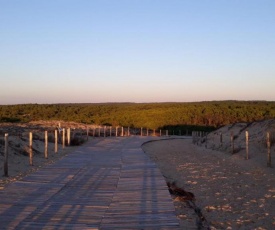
107 185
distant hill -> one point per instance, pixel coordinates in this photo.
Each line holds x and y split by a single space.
203 115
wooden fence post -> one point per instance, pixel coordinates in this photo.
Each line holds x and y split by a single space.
110 131
30 149
99 132
268 149
160 132
69 136
116 131
63 138
167 132
104 131
141 131
87 132
128 131
122 131
55 141
246 144
46 145
6 165
232 142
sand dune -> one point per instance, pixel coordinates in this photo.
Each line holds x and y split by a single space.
232 192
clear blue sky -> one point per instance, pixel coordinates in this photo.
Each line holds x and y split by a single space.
55 51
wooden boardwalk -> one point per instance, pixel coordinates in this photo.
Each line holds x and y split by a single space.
106 184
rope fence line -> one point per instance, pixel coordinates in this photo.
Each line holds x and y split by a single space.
56 136
71 136
200 138
120 131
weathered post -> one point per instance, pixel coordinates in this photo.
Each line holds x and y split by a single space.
232 142
59 128
104 131
167 132
110 131
246 141
55 141
116 131
87 129
141 131
128 131
220 139
160 132
69 136
268 149
30 148
93 131
122 131
46 145
99 132
6 165
154 134
63 138
147 132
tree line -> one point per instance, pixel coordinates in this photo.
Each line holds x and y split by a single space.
202 115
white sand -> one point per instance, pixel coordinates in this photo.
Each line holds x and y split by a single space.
233 193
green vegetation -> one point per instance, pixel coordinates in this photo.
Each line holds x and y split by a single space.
148 115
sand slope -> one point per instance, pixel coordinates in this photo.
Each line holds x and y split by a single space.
18 157
232 192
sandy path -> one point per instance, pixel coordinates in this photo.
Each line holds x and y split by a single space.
232 193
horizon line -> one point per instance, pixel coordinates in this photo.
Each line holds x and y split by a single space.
161 102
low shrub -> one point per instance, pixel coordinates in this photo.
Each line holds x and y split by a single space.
78 140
